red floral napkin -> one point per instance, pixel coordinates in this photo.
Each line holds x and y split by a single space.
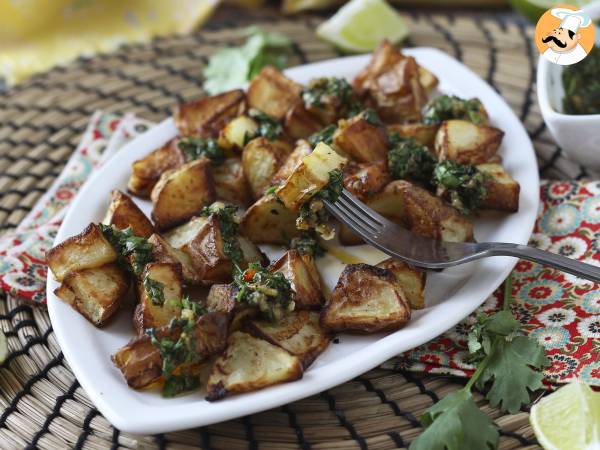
561 311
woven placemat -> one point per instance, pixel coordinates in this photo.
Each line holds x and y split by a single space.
41 121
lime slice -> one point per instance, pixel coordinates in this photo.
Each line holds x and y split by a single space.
533 9
568 419
360 25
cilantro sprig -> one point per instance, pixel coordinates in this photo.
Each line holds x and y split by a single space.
508 363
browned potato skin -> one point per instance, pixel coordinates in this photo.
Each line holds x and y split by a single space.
362 140
87 250
300 123
286 333
96 293
361 284
261 159
230 182
502 190
182 193
145 172
206 116
365 180
221 297
123 213
301 149
410 280
392 84
303 276
148 315
273 93
141 364
422 133
269 222
165 253
467 143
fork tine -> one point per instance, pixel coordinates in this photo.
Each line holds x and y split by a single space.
362 208
347 218
357 216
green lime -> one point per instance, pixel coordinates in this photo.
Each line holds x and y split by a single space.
568 419
360 25
533 9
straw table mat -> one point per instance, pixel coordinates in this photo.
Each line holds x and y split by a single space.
41 403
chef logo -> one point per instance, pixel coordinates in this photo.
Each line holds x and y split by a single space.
564 35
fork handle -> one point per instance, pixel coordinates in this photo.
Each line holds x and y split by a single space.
572 266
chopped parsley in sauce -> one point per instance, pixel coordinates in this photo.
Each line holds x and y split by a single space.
154 290
268 127
408 159
134 251
307 243
313 214
325 135
230 229
582 85
464 184
447 107
196 148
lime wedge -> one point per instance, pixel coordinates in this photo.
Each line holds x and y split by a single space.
360 25
568 419
533 9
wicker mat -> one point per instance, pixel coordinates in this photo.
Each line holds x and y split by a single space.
41 121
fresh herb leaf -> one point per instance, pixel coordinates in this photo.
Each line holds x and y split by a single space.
465 185
134 251
154 290
229 68
313 215
456 423
325 135
371 116
197 309
333 92
447 107
230 230
196 148
267 126
407 159
178 384
307 243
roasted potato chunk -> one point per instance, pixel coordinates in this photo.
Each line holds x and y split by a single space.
249 364
309 176
150 313
502 190
391 82
361 139
233 137
182 193
221 297
87 250
96 293
365 180
410 280
273 93
269 222
301 272
145 172
366 299
421 132
123 213
163 252
140 362
467 143
301 149
300 333
261 159
300 123
427 79
205 117
230 183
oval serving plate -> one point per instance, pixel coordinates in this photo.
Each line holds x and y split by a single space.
450 295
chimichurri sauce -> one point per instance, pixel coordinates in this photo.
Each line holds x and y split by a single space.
582 85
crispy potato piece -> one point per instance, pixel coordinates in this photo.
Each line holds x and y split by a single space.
365 180
233 137
268 221
422 133
165 253
301 149
467 143
410 280
249 364
87 250
299 332
221 297
392 83
95 293
366 299
123 213
145 172
150 315
427 79
362 140
206 116
230 182
182 193
273 93
502 190
309 176
141 364
303 276
300 123
261 159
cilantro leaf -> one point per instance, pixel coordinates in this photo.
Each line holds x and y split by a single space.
509 369
456 423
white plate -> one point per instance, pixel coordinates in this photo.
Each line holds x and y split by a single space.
451 295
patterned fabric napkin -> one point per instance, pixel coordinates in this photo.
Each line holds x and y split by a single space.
561 311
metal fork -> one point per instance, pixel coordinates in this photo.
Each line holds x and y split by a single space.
429 253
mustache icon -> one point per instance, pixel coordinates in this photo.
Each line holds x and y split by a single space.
555 40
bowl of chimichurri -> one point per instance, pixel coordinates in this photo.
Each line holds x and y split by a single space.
569 99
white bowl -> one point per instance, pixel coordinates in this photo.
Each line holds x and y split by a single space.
577 135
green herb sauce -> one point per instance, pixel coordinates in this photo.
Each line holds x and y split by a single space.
196 148
582 85
230 230
325 135
268 127
307 243
408 159
154 290
447 107
134 251
465 185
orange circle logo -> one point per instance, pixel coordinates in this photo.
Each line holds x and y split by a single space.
564 35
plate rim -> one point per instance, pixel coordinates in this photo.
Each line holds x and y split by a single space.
148 422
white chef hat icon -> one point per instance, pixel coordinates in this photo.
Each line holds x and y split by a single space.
571 20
